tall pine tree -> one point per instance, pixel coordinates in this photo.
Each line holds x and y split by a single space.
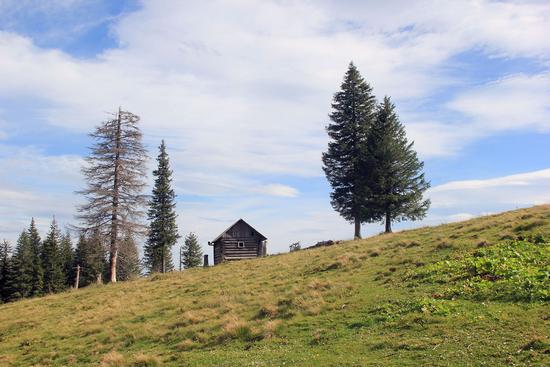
52 262
37 269
192 252
129 266
67 260
115 176
23 267
6 272
396 180
353 113
163 230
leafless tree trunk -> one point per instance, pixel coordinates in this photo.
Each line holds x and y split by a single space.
115 175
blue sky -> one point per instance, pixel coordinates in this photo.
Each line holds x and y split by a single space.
241 92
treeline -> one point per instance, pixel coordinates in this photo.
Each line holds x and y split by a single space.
110 223
373 169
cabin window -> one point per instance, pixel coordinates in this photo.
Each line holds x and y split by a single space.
252 232
240 244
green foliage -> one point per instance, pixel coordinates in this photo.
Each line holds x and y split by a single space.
90 256
163 230
392 311
7 284
37 283
353 112
396 183
192 252
23 264
513 271
52 261
128 264
374 171
66 257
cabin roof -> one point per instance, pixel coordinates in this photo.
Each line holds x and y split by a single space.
233 225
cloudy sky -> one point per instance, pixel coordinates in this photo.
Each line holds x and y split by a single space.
240 91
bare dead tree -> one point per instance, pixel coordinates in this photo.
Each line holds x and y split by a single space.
115 175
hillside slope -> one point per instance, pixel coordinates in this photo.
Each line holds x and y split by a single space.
383 301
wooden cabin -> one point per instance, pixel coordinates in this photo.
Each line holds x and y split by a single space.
238 242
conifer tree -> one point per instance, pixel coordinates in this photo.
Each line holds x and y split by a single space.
67 260
163 230
90 256
192 252
129 266
23 267
52 261
115 176
37 268
396 180
353 112
6 272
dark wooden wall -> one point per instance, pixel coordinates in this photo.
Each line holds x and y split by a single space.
226 248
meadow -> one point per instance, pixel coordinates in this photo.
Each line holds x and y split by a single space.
472 293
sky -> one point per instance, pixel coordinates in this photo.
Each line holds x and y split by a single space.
241 92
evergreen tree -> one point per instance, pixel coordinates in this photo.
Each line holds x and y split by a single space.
353 112
67 260
192 252
23 267
90 256
6 273
163 230
115 176
37 269
52 261
396 181
129 266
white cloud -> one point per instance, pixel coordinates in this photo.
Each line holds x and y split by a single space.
241 92
512 103
279 190
523 189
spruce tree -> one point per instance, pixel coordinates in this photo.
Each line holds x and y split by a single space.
192 252
396 180
129 266
353 112
90 256
115 175
52 261
6 280
67 260
23 267
37 269
163 230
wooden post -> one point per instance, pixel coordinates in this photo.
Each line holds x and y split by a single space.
181 257
77 280
205 261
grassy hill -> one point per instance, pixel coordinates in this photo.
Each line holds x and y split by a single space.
466 293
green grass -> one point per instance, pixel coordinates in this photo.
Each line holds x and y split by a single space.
471 293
